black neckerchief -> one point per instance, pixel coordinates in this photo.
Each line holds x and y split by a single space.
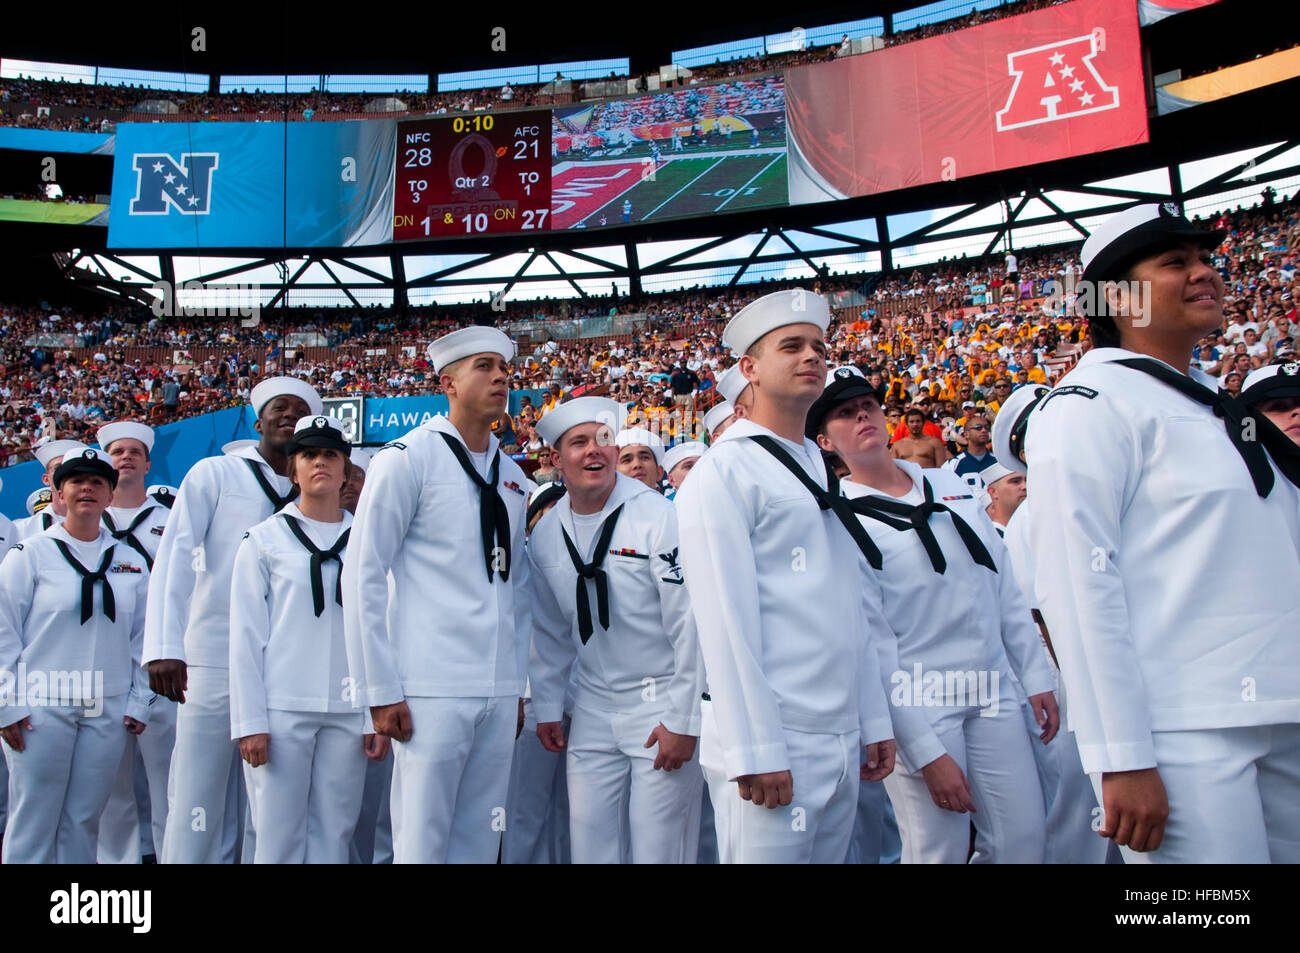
917 518
88 580
1234 412
592 570
493 517
277 501
128 535
318 559
828 499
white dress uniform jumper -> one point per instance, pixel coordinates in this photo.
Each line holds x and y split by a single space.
614 598
433 617
289 678
961 622
1168 573
68 607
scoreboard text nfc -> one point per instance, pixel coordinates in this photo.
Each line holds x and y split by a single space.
484 173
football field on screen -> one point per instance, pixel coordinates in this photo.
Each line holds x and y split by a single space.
698 185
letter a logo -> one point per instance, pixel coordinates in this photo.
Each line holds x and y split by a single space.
162 183
1056 81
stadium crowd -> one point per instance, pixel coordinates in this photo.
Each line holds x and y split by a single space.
946 339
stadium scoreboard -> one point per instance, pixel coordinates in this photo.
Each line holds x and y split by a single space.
478 174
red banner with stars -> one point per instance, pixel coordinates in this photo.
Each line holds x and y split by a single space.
1047 85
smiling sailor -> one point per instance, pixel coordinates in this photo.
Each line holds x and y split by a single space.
608 589
187 632
72 602
1164 522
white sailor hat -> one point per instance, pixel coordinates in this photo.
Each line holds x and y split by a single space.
683 451
994 472
125 428
543 496
88 460
236 445
1267 383
640 437
717 414
1135 232
466 342
1009 426
553 425
319 430
274 387
161 491
51 451
731 384
776 310
360 457
37 500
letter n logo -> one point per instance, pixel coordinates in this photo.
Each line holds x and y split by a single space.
162 183
1053 82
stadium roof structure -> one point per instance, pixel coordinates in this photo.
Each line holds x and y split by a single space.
1219 152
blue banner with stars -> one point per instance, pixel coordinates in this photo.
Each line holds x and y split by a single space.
263 184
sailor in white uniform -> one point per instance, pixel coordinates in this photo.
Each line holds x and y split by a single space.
372 841
187 633
1164 521
42 518
538 802
795 686
436 609
719 417
1275 392
293 707
71 619
641 456
136 521
1072 813
163 494
608 592
963 627
679 459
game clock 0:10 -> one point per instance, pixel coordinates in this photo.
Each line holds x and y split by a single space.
462 176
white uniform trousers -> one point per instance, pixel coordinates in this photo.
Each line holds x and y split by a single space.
708 850
1234 796
616 795
875 832
205 802
306 799
994 754
1067 793
537 807
451 779
121 840
59 784
372 841
818 823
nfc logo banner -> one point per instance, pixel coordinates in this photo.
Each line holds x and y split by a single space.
162 183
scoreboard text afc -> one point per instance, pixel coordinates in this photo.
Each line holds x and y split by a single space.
479 174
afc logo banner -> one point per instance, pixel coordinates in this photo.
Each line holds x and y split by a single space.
162 183
1056 81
